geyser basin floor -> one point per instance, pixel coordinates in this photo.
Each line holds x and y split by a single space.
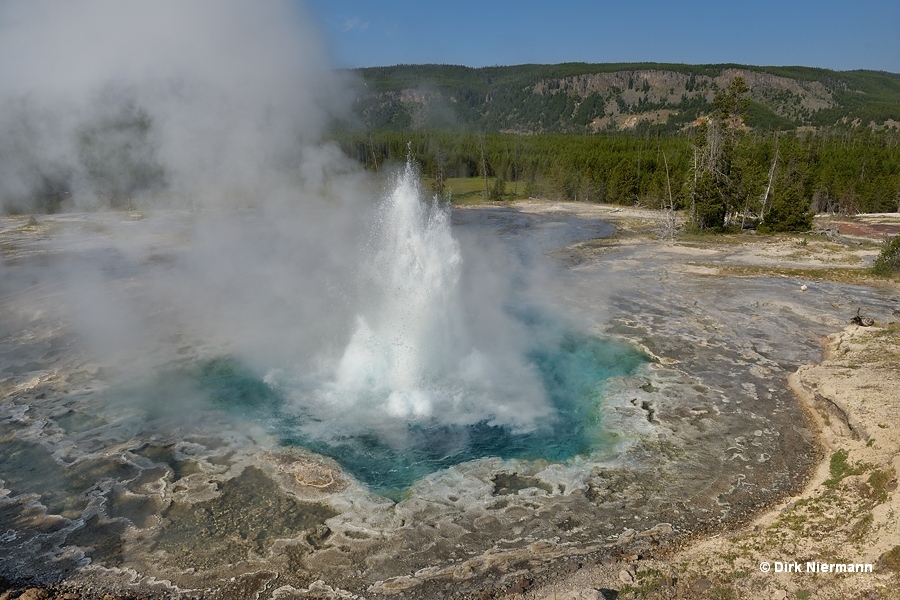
709 433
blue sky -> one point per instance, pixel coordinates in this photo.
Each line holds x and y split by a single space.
842 35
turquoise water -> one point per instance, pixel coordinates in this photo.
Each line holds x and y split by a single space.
413 392
572 368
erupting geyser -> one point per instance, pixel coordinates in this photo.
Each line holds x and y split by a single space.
411 392
397 363
410 356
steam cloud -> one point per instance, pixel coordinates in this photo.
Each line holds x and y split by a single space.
115 103
208 108
202 107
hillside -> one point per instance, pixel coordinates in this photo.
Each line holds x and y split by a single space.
590 98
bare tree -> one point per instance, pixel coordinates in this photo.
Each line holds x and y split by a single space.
765 198
669 221
439 185
487 191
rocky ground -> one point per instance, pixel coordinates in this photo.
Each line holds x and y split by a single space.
718 467
847 513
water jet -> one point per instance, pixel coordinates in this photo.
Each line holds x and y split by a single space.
411 393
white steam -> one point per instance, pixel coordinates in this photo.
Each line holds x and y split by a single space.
106 102
411 357
272 248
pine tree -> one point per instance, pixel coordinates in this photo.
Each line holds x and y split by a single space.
715 151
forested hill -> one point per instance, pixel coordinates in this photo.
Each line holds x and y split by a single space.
586 98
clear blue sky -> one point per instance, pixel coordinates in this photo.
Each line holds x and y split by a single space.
842 35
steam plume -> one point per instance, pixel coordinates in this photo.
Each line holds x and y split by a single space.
112 103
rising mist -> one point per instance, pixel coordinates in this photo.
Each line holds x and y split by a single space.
248 235
120 104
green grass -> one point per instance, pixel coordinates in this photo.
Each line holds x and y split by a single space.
859 529
890 560
878 482
467 186
840 467
470 190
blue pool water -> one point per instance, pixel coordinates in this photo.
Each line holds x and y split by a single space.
426 381
572 369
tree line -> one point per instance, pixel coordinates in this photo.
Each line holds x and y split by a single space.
725 174
550 99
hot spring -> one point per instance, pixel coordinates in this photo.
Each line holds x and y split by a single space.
219 398
411 391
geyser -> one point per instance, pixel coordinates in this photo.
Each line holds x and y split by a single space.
410 358
411 392
397 360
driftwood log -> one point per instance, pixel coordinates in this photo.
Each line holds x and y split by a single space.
861 320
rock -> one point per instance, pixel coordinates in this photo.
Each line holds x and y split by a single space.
522 585
779 595
657 531
626 536
34 594
627 556
318 536
626 576
803 288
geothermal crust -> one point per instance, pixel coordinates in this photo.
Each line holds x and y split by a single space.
109 497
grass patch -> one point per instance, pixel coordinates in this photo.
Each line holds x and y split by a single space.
693 238
850 275
878 482
646 581
890 560
888 262
840 467
892 329
861 527
470 190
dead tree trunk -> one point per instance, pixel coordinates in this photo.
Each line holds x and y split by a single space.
487 192
765 198
669 226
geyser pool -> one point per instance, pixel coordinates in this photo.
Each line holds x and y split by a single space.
412 391
572 370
